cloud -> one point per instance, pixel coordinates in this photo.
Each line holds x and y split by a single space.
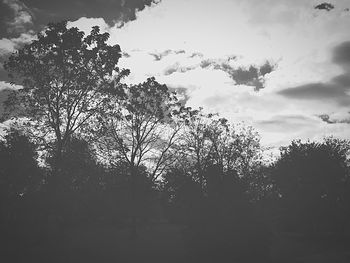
325 118
113 12
252 76
336 90
85 24
324 6
335 119
8 46
330 92
178 68
196 54
285 122
249 76
16 18
126 54
160 55
341 55
291 33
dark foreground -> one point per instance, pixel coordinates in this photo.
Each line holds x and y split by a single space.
163 242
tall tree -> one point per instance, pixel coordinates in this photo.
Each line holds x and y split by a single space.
67 79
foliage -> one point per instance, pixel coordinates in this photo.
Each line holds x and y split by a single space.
209 140
142 128
80 169
312 179
19 171
67 80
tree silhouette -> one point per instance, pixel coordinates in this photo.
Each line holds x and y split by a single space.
209 140
19 171
142 128
311 178
140 131
67 79
79 166
21 180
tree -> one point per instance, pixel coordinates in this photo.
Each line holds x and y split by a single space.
209 140
142 129
80 170
19 171
311 178
67 80
21 180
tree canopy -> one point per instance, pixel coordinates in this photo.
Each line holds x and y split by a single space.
67 79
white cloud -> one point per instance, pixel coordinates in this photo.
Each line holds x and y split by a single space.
8 86
7 46
85 24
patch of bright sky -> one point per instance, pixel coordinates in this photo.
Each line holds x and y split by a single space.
292 34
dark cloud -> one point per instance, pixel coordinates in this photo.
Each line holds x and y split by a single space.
8 46
242 75
324 6
6 14
326 118
180 51
126 55
251 76
15 18
177 68
341 55
207 63
43 11
196 54
160 55
111 10
342 81
336 90
314 91
266 68
285 122
331 91
21 19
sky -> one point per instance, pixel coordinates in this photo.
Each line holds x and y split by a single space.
281 66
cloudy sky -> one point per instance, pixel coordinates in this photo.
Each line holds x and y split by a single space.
282 66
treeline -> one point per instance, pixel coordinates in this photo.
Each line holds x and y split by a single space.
84 147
